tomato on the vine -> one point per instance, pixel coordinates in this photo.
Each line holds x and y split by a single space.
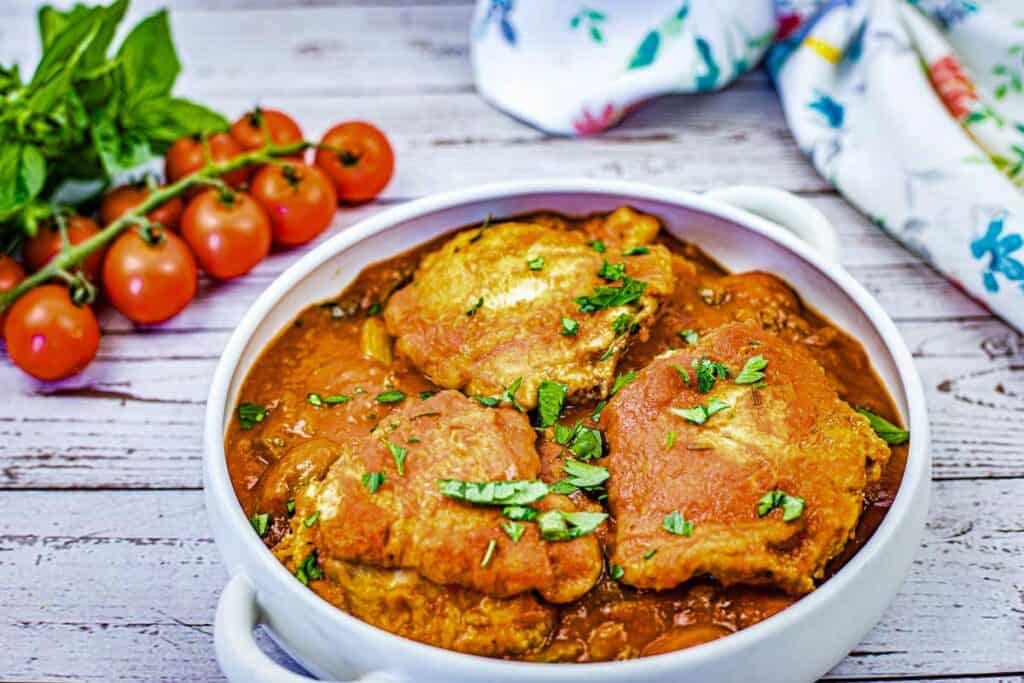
248 129
11 275
299 199
49 336
186 156
121 200
228 232
358 159
39 249
149 275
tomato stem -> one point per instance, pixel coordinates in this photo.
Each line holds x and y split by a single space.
75 254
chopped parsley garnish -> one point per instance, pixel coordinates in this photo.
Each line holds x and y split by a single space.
475 307
506 493
413 439
373 481
597 245
699 414
615 572
359 390
752 372
636 251
489 554
311 520
556 525
520 513
513 529
609 297
336 399
621 381
650 553
622 323
509 395
608 353
488 401
587 442
889 432
612 272
708 372
570 327
683 372
251 414
309 570
424 395
689 336
670 440
399 453
290 506
792 506
314 400
598 409
675 523
392 396
536 263
480 232
260 522
583 475
374 309
563 435
550 399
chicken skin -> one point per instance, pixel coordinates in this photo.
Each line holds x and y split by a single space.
749 478
403 521
529 300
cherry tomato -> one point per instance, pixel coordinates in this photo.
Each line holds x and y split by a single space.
46 244
299 200
11 275
228 233
50 337
248 130
121 200
149 283
186 156
360 160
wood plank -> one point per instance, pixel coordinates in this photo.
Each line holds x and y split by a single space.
95 569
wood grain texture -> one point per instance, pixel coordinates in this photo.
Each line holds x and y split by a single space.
126 582
106 568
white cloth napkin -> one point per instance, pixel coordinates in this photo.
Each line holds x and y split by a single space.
913 109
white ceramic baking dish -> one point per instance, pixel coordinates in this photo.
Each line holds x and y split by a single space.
741 227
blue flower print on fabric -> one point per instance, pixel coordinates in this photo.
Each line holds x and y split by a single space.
499 12
997 248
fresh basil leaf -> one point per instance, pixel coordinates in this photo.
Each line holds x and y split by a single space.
149 63
889 432
22 176
583 475
563 435
505 493
52 22
550 399
119 150
55 72
163 120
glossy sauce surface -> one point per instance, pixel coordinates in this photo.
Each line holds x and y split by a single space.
325 346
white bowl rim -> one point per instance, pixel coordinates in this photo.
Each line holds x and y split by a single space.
915 475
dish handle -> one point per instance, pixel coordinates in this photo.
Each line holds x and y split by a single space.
238 653
786 210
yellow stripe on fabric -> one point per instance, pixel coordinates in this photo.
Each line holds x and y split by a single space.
830 53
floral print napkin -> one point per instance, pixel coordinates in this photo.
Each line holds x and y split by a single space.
913 109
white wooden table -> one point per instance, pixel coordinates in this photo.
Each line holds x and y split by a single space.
107 568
